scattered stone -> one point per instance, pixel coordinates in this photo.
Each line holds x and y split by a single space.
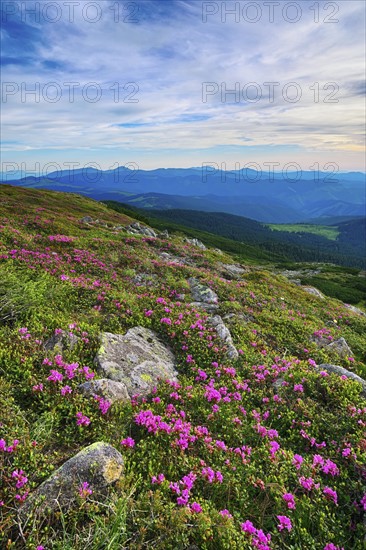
224 335
86 219
99 465
355 310
336 369
136 228
341 347
58 342
210 308
201 293
138 358
239 317
144 279
108 389
164 234
314 291
195 242
235 271
278 383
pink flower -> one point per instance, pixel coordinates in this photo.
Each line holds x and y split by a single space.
158 479
330 494
299 388
84 490
82 420
196 508
285 523
297 461
290 499
128 442
225 513
65 389
55 376
330 468
308 483
363 501
248 527
331 546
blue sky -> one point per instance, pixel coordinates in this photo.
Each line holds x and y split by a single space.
148 80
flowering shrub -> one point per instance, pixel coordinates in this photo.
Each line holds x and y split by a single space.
261 451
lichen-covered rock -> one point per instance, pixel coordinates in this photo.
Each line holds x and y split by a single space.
108 389
99 465
138 358
195 242
314 291
86 219
339 346
58 342
234 271
336 369
136 228
355 309
224 335
202 293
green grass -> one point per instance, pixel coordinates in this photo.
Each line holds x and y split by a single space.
330 233
58 273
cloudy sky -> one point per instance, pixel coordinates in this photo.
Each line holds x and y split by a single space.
180 82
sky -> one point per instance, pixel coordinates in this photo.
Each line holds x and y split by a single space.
178 83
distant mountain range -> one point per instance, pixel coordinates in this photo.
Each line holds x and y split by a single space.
257 196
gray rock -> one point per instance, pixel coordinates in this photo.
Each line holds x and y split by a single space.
355 310
210 308
314 291
341 347
201 293
138 358
100 465
144 279
235 271
58 342
224 335
136 228
86 219
195 242
336 369
164 234
108 389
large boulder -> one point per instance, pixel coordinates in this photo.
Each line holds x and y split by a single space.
108 389
355 309
195 242
224 335
138 359
234 271
136 228
314 291
99 465
340 347
202 293
336 369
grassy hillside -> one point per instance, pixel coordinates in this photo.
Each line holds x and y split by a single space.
310 246
260 451
321 230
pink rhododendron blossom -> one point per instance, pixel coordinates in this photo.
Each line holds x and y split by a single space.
285 523
128 442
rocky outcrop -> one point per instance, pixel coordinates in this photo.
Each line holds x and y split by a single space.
336 369
202 293
224 335
339 346
137 229
86 219
138 359
108 389
234 271
355 309
99 465
195 242
314 291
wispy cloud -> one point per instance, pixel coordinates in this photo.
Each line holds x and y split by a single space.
152 76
